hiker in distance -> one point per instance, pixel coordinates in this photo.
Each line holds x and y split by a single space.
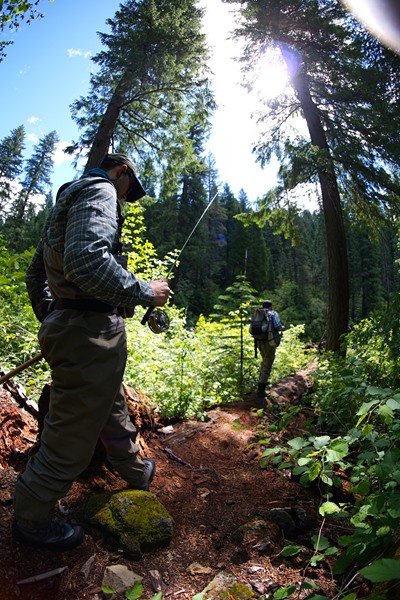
267 349
77 285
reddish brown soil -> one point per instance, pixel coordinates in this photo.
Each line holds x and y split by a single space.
209 479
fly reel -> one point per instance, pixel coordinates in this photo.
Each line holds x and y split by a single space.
158 321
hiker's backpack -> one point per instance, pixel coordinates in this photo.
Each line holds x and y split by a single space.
261 327
260 324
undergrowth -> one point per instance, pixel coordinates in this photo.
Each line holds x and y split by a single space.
353 435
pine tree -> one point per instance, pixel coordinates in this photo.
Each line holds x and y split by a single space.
151 74
238 295
11 162
35 182
345 86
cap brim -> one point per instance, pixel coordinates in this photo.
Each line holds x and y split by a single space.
136 190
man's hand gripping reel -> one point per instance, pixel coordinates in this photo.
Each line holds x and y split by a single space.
156 319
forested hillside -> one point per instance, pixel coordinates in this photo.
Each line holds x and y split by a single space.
289 266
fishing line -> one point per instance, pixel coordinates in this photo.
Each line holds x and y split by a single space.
155 317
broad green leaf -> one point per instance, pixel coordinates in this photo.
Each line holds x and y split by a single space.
321 441
270 451
285 592
329 508
299 470
316 559
366 407
384 569
383 531
298 443
394 512
327 480
332 456
376 391
393 404
314 471
290 550
303 461
106 589
362 488
286 465
385 410
135 592
367 429
320 543
308 585
337 450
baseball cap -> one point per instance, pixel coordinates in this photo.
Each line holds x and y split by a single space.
136 191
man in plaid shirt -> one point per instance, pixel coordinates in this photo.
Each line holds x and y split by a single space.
77 285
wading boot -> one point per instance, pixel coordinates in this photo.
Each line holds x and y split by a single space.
55 535
149 468
260 398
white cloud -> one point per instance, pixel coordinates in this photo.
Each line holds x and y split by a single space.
33 120
32 137
78 52
59 156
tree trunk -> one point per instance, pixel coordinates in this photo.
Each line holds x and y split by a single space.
102 139
338 284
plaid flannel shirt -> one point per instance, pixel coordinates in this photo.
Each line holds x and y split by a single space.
83 226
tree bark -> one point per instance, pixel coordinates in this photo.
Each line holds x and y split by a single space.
102 140
338 276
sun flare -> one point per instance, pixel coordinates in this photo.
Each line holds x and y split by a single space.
380 17
271 75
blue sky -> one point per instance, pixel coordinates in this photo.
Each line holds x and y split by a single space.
48 67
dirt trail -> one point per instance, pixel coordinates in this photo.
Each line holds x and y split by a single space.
209 479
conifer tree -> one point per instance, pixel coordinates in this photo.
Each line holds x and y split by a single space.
239 294
345 86
151 72
256 259
35 182
234 250
11 163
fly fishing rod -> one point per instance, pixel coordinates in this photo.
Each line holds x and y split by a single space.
155 317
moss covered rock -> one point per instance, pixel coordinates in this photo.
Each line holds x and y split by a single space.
136 521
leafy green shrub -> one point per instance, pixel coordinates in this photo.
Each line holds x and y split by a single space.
358 419
186 371
18 324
